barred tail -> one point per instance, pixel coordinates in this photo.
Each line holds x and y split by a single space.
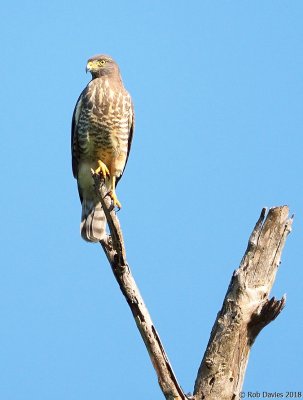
93 221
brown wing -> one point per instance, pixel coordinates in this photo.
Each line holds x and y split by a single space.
130 137
74 135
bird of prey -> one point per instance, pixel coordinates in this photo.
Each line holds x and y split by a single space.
102 131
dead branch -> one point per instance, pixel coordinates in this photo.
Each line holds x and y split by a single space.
113 246
246 309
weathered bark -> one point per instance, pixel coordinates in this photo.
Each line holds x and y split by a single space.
245 312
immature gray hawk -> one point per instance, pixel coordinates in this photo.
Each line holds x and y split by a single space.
102 131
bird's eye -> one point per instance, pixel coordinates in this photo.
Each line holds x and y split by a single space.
101 63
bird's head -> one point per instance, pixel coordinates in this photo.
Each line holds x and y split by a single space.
102 65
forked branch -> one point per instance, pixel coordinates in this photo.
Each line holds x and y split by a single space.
246 309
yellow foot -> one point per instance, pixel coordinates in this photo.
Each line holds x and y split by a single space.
115 199
102 168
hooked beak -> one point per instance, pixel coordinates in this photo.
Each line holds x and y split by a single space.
88 66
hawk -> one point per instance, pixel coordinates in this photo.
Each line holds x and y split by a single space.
102 131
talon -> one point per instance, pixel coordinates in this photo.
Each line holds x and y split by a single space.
114 197
103 169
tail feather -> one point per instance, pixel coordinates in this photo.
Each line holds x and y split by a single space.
93 222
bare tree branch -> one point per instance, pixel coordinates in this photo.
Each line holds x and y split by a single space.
114 249
246 310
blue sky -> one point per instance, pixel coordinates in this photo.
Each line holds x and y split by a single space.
217 88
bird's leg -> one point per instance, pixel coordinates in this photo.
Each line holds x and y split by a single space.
112 192
102 168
